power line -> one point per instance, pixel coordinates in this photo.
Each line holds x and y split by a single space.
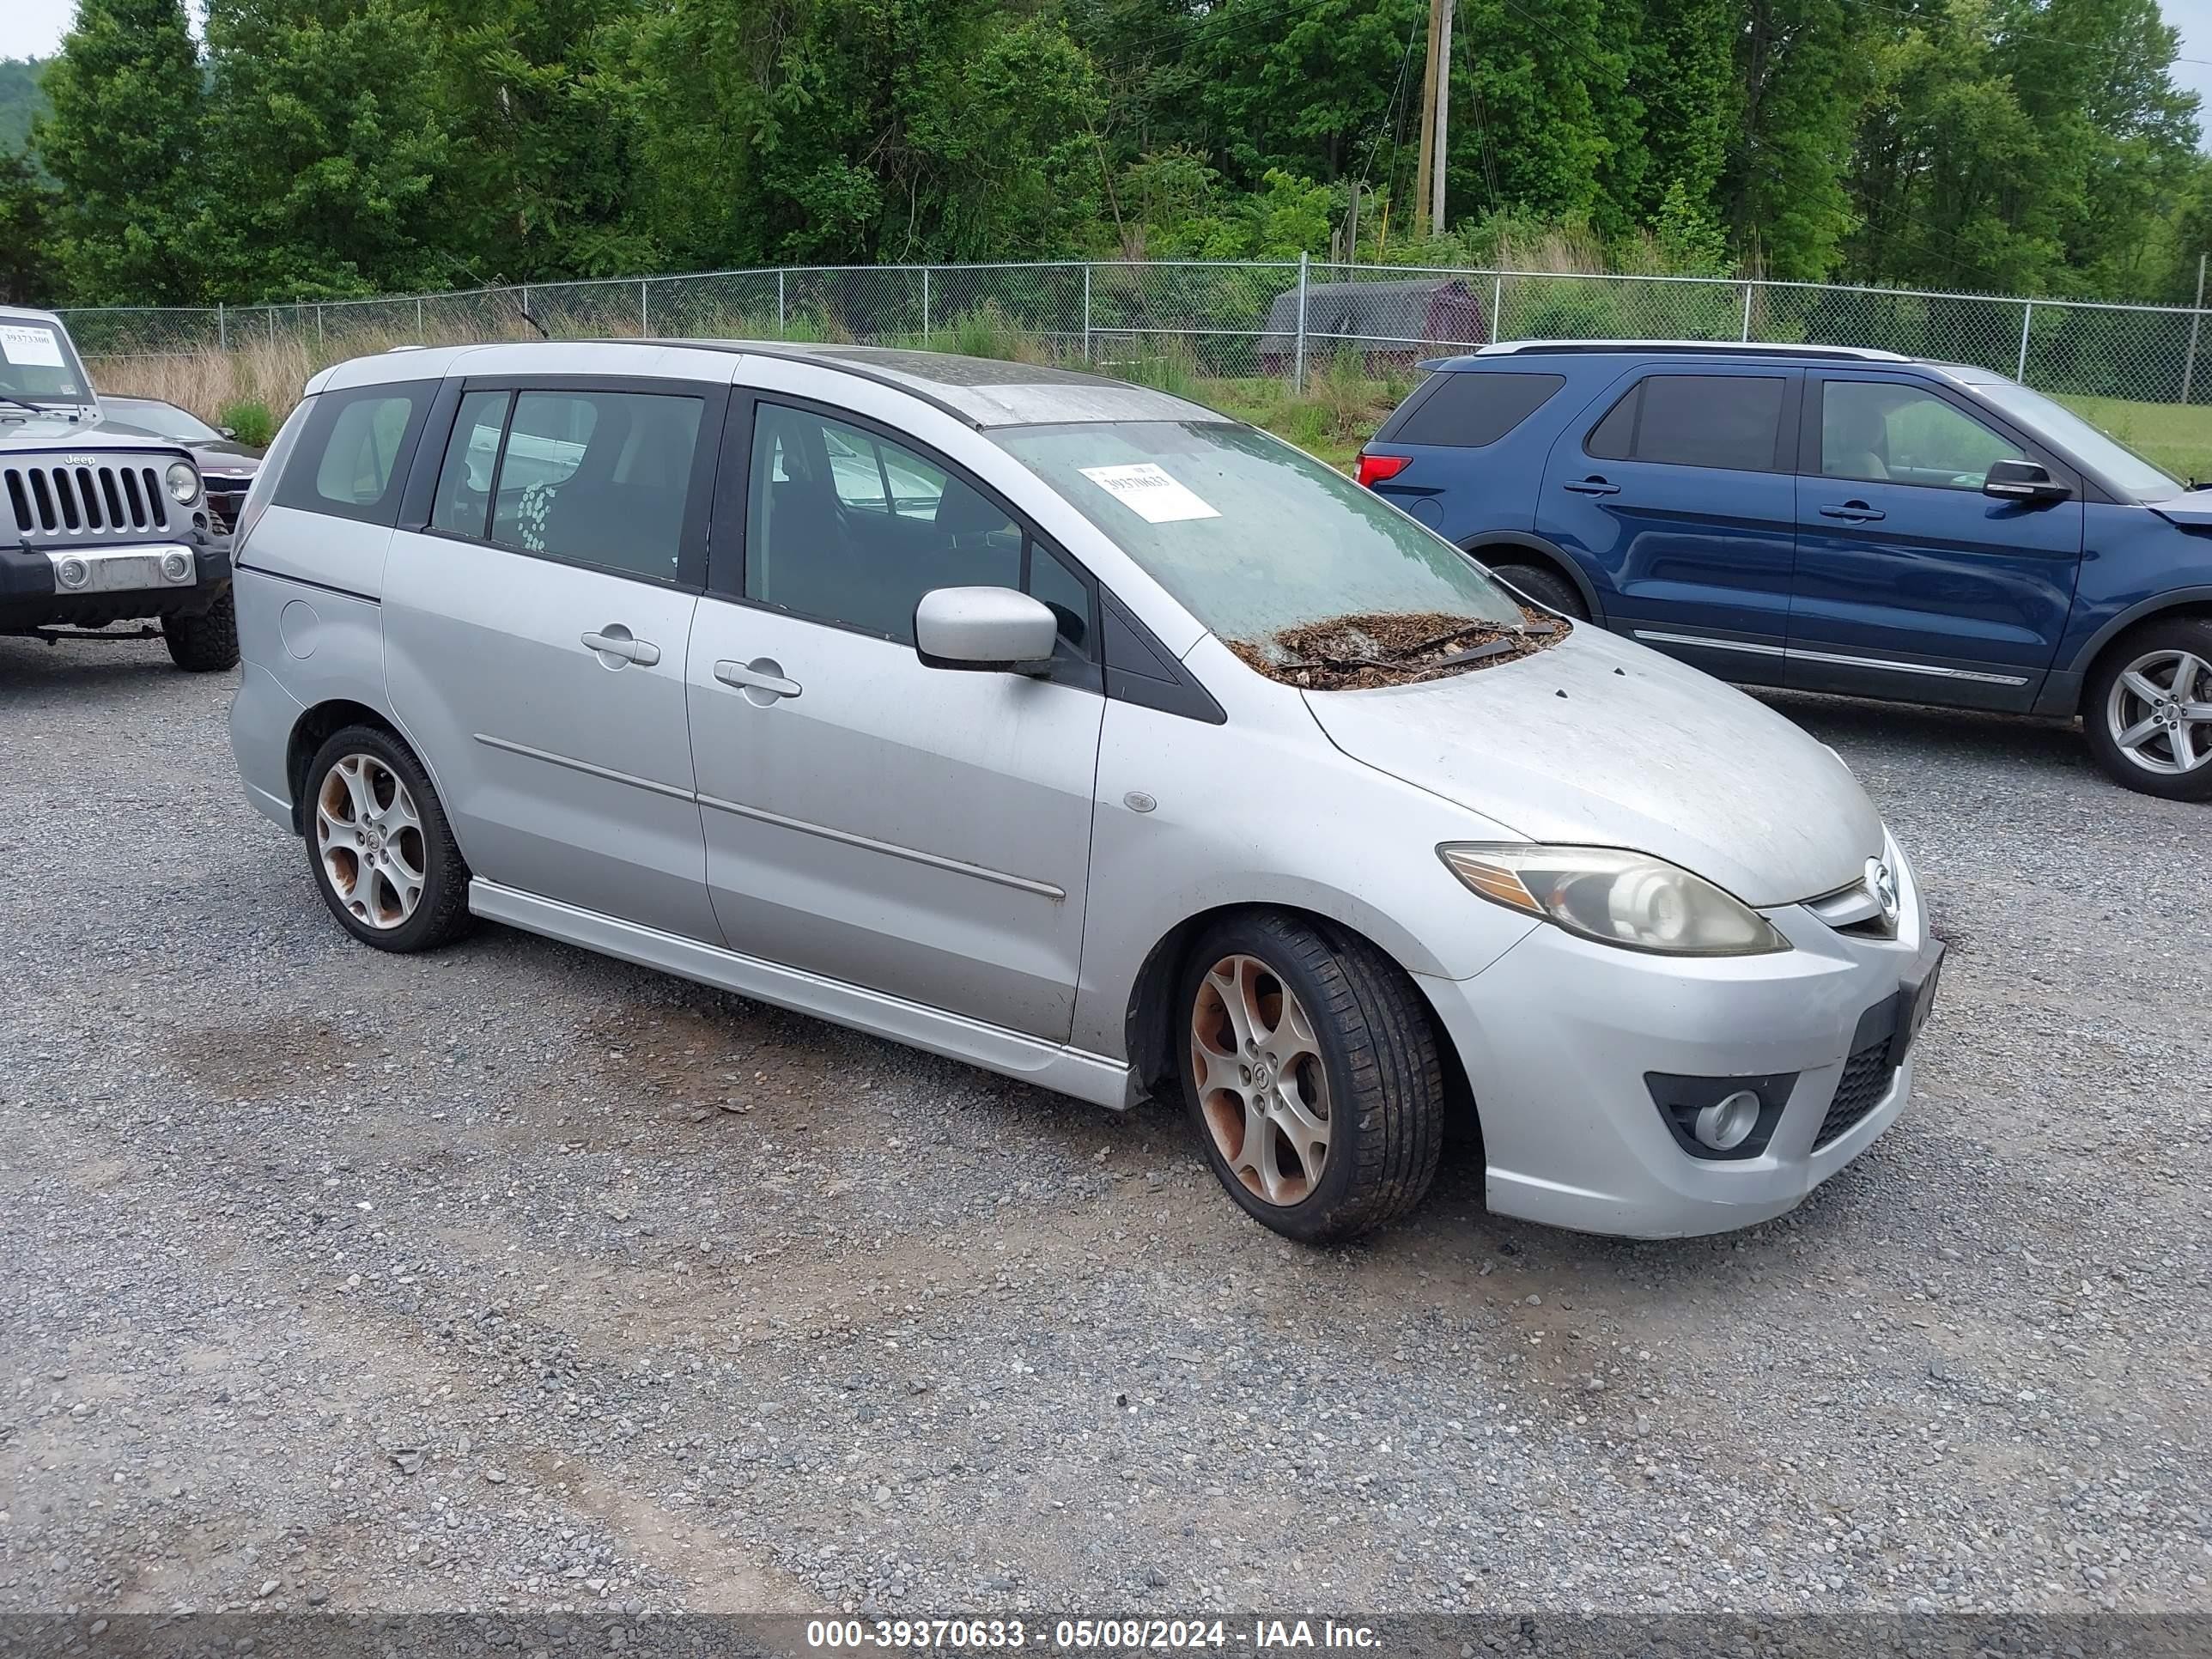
1481 124
1390 114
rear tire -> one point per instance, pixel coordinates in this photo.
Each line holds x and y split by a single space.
1311 1072
1547 586
382 852
207 643
2136 706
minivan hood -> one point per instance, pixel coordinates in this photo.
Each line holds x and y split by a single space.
1600 742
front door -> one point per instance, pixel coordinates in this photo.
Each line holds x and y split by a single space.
536 634
1911 583
1679 496
921 832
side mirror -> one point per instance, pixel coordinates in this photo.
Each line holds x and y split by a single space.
2023 481
228 431
985 631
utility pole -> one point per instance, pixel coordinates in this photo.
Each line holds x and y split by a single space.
1443 121
2195 322
1422 187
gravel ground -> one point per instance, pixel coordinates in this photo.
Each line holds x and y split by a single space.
514 1278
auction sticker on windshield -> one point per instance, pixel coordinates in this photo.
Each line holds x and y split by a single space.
1146 489
32 348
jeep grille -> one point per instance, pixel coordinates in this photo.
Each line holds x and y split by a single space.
84 502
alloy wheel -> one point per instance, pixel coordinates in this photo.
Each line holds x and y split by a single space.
2159 712
369 837
1262 1086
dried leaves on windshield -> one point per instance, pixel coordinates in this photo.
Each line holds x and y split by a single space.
1358 652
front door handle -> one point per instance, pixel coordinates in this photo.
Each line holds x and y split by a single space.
615 640
762 679
1592 486
1852 513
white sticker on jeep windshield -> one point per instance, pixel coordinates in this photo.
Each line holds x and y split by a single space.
1147 491
32 348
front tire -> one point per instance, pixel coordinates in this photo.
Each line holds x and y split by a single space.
382 853
207 643
1311 1075
1547 586
2146 709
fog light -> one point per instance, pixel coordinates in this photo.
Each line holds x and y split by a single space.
176 566
1726 1119
73 572
1727 1124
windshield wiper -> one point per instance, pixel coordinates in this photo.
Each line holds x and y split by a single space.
24 403
1506 630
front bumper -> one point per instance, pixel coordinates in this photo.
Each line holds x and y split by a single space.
93 587
1560 1035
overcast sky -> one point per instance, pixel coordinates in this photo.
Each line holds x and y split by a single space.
29 28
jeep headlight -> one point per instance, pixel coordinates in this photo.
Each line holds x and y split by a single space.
184 482
1616 896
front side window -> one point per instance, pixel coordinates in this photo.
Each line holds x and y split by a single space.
847 528
1253 537
1880 432
601 478
1731 421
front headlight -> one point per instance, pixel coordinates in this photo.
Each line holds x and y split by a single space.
1618 897
184 482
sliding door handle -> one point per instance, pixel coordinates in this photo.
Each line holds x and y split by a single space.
762 679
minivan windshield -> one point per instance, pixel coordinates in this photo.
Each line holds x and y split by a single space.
1257 538
37 364
2095 448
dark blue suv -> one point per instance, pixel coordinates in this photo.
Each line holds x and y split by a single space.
1834 520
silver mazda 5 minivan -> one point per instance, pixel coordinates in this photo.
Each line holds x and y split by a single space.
1079 733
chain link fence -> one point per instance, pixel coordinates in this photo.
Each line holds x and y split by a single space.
1165 320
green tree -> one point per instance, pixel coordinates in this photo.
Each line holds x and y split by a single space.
1800 74
535 106
1682 78
22 100
26 275
2022 147
327 149
1304 92
863 129
123 141
1528 132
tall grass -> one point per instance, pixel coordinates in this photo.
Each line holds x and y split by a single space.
1343 400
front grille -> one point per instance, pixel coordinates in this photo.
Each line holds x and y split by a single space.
87 501
1867 1077
224 497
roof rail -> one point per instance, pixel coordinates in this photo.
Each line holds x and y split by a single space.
1704 348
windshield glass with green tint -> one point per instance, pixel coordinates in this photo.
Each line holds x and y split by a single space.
37 365
2096 448
1252 536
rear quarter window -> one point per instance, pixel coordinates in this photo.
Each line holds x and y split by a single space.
1469 408
351 458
